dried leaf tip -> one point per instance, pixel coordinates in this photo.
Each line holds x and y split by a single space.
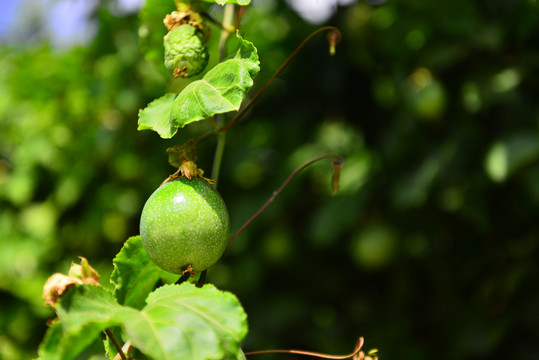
57 284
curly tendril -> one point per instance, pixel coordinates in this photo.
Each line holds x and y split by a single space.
355 354
334 36
337 165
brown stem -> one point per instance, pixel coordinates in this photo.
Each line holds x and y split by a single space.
357 349
116 344
332 29
337 164
334 37
239 16
216 22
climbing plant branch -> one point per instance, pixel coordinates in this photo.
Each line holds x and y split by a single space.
333 37
357 350
337 164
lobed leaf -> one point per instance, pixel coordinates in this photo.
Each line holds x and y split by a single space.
186 322
178 322
84 312
222 89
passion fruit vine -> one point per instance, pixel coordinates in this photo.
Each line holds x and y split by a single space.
184 226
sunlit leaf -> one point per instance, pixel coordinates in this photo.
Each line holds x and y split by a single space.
135 275
222 89
84 312
178 322
189 322
156 117
86 304
48 349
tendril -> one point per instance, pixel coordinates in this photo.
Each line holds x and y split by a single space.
337 164
354 354
334 36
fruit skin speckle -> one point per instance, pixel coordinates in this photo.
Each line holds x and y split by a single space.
185 222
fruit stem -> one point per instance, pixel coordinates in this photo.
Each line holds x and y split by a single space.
218 157
183 278
202 279
337 164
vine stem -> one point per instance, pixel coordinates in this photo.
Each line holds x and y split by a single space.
357 349
116 344
336 166
331 29
228 21
334 38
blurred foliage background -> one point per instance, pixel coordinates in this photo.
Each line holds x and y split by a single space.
430 249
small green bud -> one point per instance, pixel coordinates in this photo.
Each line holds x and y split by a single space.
186 53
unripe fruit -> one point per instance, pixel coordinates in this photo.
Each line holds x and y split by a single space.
186 53
184 222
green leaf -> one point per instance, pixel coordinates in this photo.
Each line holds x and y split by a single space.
222 89
178 322
48 349
87 304
134 275
186 322
84 312
58 345
156 117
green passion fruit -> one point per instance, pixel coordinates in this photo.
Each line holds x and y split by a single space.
186 53
185 223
